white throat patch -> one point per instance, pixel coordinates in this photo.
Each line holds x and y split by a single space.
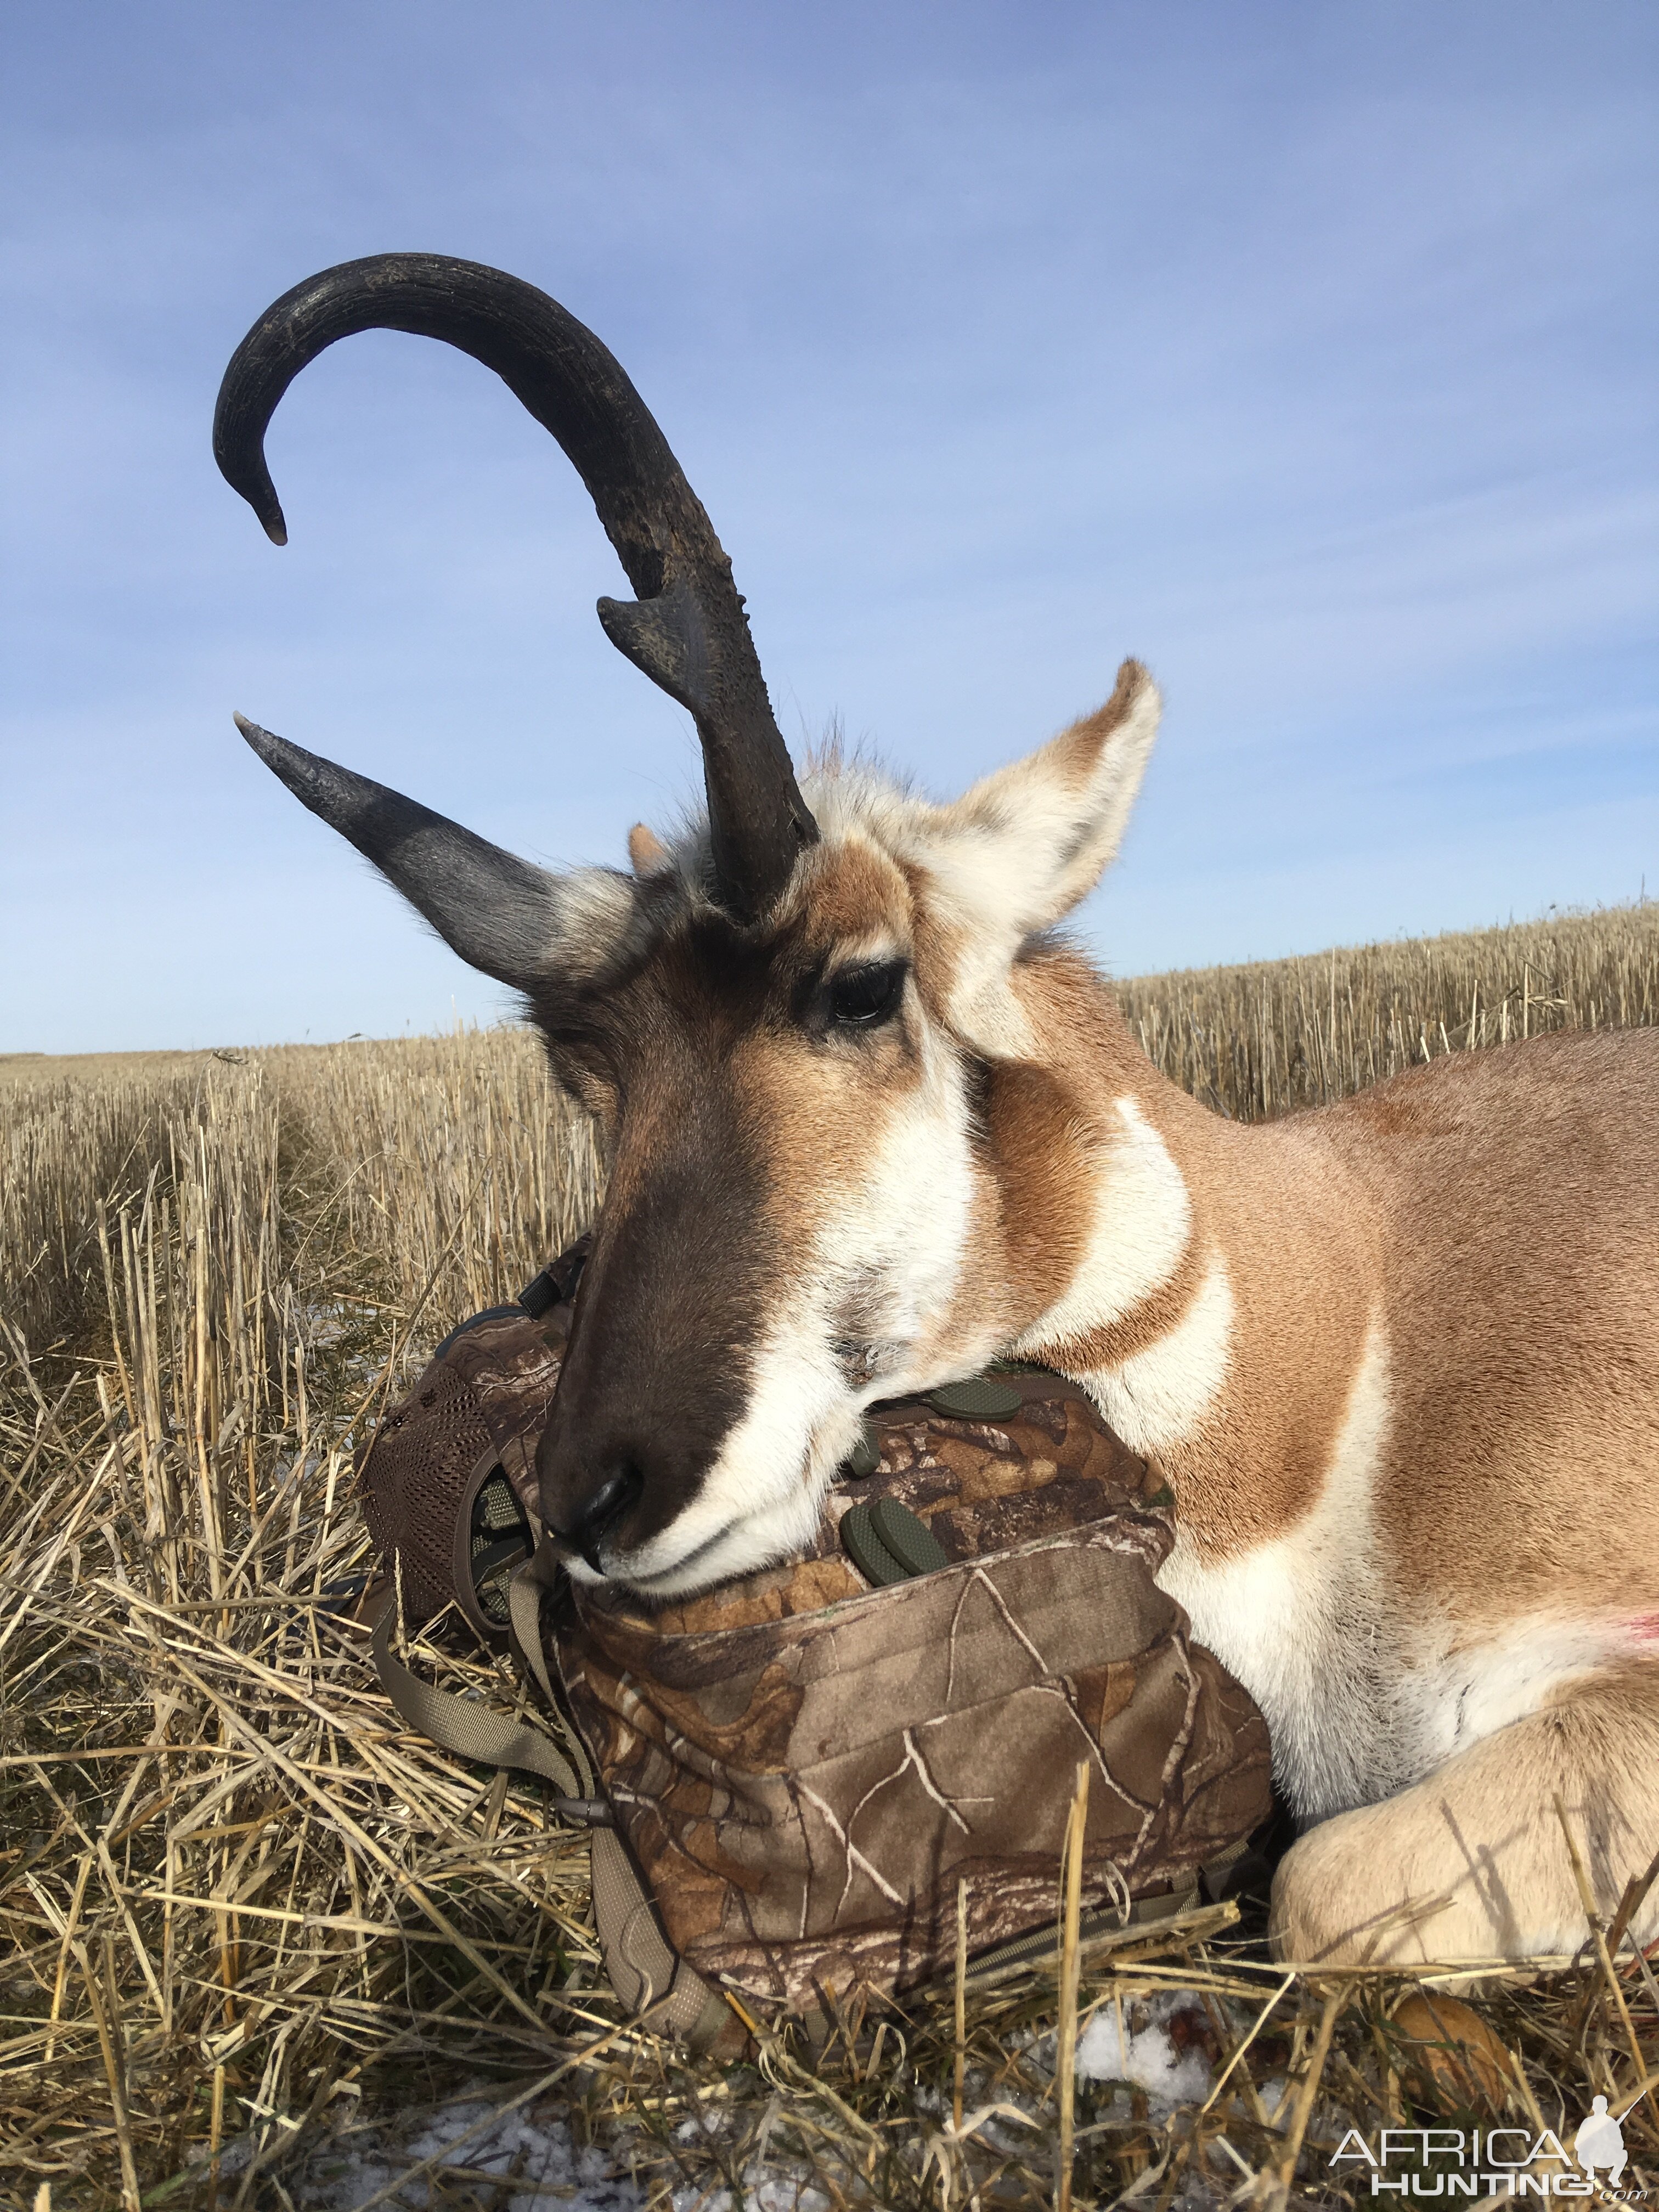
1159 1398
1302 1622
1142 1220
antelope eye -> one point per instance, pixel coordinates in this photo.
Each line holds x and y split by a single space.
861 997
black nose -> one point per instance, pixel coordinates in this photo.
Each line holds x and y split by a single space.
615 1497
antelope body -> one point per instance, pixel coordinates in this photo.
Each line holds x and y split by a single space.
870 1123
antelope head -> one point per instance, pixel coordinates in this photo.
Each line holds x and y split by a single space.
808 1026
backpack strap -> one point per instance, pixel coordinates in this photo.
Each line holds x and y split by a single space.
523 1607
641 1964
474 1732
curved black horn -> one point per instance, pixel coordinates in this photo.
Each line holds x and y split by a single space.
687 628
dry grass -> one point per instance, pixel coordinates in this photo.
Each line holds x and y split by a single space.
212 1274
240 1905
1261 1040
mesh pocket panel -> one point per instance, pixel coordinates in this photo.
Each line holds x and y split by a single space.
413 1479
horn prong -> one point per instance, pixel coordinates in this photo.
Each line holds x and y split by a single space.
665 638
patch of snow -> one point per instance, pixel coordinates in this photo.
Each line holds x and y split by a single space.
233 2155
767 2195
529 2155
532 2149
1275 2101
1165 2049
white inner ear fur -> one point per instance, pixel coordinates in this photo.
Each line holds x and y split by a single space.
1019 850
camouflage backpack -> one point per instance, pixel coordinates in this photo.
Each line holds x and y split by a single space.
788 1776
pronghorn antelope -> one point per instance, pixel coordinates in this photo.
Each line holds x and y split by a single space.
870 1123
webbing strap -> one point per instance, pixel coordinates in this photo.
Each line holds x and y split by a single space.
524 1609
474 1731
644 1969
642 1966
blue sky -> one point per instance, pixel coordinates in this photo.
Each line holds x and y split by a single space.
1307 351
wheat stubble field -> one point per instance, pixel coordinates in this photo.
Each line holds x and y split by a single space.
242 1911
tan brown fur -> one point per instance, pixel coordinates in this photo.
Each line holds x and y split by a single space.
1110 1343
1484 1218
1037 1169
1471 1862
1535 1175
1272 1217
1318 1226
845 895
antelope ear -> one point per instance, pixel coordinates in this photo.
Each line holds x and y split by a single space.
514 921
646 853
1044 827
1018 851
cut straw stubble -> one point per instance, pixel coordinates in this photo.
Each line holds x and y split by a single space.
959 2068
1066 2039
1598 1936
